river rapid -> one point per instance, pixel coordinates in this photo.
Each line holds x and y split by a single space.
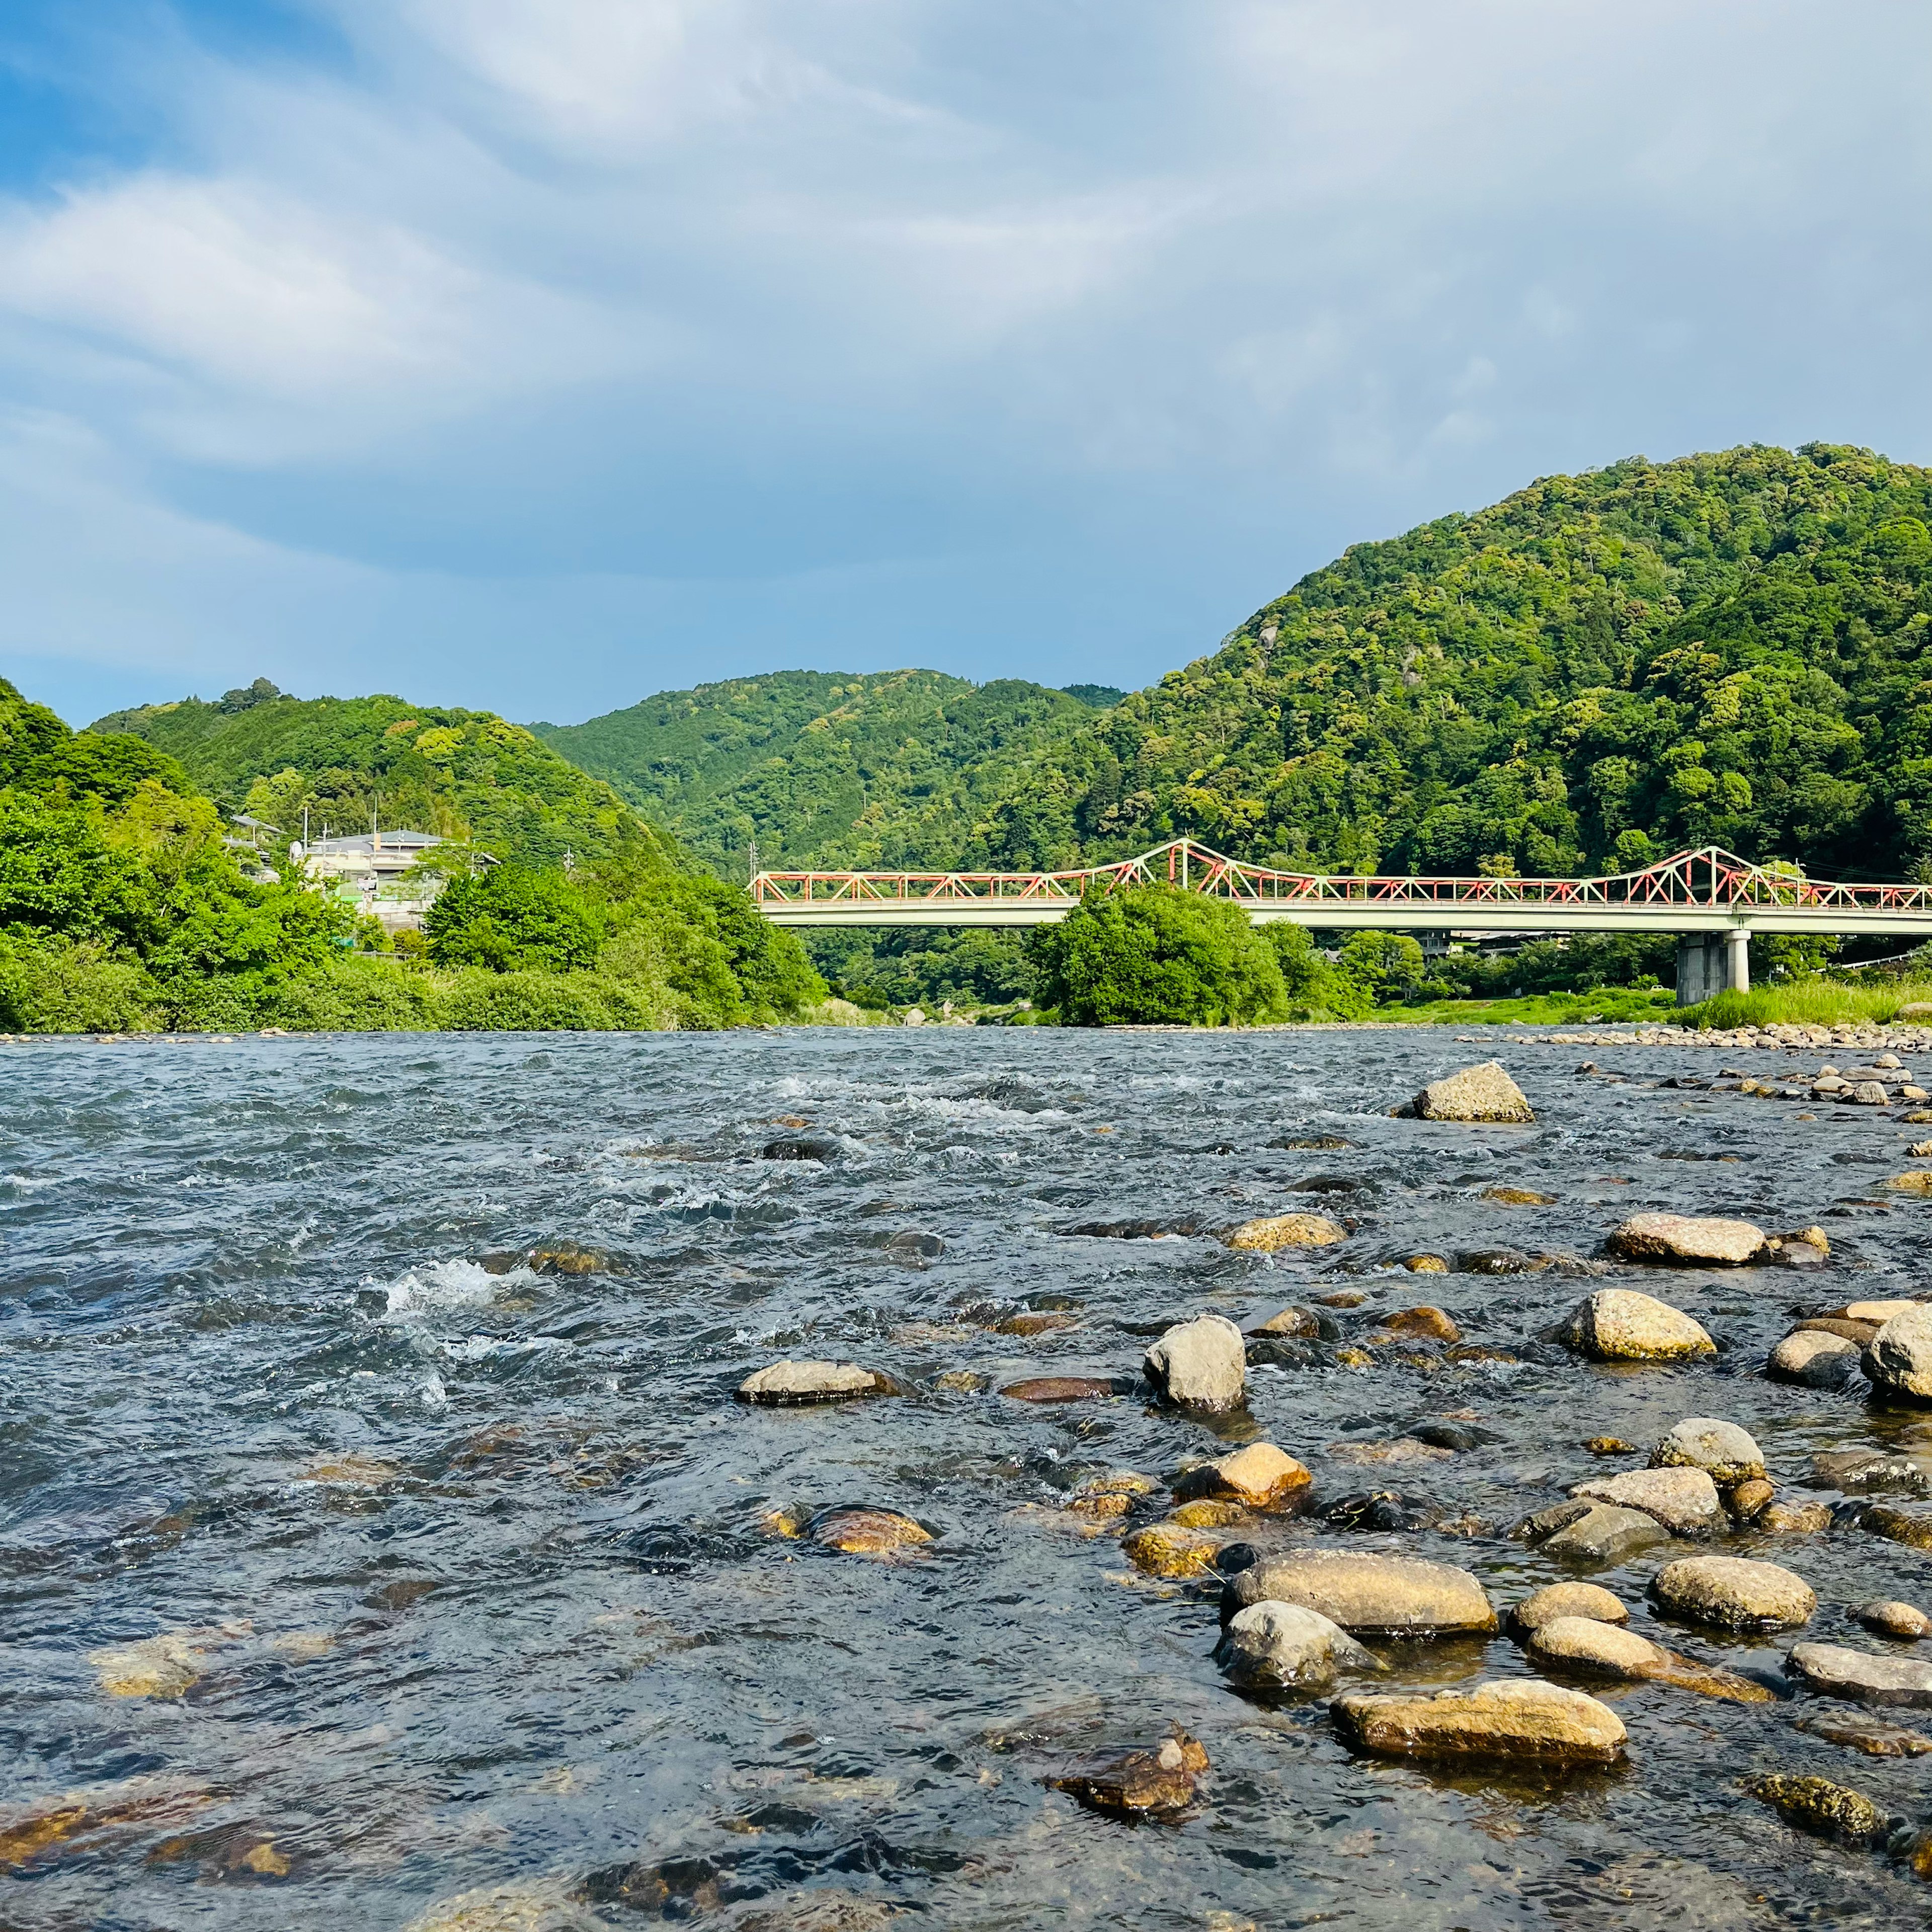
349 1564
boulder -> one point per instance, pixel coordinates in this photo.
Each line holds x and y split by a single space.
1367 1595
1726 1452
1498 1719
1426 1264
1795 1520
786 1384
1734 1593
1898 1525
1605 1534
1299 1323
1880 1312
1477 1093
1748 1501
1684 1500
867 1532
1172 1549
1618 1324
1898 1358
1566 1600
1812 1359
1832 1671
1142 1782
1865 1470
1827 1811
1261 1476
1518 1197
1275 1645
1599 1649
1873 1735
1906 1621
1425 1320
1686 1240
1275 1231
1200 1364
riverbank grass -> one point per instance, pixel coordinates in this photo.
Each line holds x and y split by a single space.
1610 1005
1819 1002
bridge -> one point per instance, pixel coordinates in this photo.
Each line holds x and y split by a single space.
1712 899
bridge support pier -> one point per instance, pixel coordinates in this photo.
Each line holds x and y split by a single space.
1712 962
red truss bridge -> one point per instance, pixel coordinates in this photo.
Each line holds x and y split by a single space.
1711 897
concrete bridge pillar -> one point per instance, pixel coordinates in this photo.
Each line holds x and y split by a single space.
1712 962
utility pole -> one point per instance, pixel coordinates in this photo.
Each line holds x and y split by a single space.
751 860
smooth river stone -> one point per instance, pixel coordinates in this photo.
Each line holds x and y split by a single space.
1477 1093
1276 1645
1685 1241
1727 1454
867 1532
1605 1534
1172 1549
1261 1476
1604 1650
1060 1388
1619 1324
1684 1500
1735 1593
1832 1671
784 1384
1200 1364
1813 1360
1505 1718
1827 1811
1898 1358
1906 1621
1274 1232
1567 1600
1368 1595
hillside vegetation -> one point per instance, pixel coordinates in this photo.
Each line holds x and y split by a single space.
1598 670
889 769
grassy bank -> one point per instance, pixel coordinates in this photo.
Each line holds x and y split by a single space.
1819 1002
1612 1006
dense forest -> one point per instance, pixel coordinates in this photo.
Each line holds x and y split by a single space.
894 768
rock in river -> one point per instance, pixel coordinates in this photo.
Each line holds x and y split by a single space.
860 1531
1501 1719
1618 1324
785 1384
1484 1093
1275 1231
1061 1388
1908 1527
1817 1805
1813 1360
1832 1671
1601 1649
1898 1358
1200 1364
1274 1646
1172 1549
1906 1621
1685 1241
1727 1452
1143 1782
1684 1500
1566 1600
1605 1533
1734 1593
1367 1595
1261 1476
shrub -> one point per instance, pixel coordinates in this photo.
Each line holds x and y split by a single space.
1313 987
61 986
511 919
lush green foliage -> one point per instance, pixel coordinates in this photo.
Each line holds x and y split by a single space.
1156 956
887 966
467 775
510 919
889 769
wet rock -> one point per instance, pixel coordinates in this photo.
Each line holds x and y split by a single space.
41 1830
1328 1144
1209 1513
1281 1351
567 1258
1906 1621
1845 1328
1566 1600
1302 1323
1034 1321
1351 1356
1734 1593
1827 1811
1063 1388
1872 1736
1896 1526
1144 1782
1274 1232
1426 1264
961 1382
1618 1324
537 1905
1605 1533
1600 1649
1172 1549
1106 1498
1685 1241
1748 1501
1684 1500
1547 1522
1543 1722
1477 1093
163 1665
860 1531
1342 1298
915 1244
817 1910
1864 1471
1135 1230
1518 1197
1898 1358
1261 1476
820 1147
1880 1313
1379 1510
1812 1359
1799 1519
1609 1445
1727 1454
1275 1645
1423 1321
786 1384
1451 1435
1500 1261
1403 1449
1200 1364
1368 1595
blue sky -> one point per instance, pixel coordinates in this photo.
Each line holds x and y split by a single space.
537 355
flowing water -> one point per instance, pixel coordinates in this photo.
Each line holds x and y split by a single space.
351 1563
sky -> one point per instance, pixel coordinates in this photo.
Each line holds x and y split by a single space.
539 354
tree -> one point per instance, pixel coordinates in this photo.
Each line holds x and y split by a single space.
1383 964
512 918
1311 985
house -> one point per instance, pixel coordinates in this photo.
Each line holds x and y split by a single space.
375 873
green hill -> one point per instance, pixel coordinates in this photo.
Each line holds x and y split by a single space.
464 774
1600 669
887 768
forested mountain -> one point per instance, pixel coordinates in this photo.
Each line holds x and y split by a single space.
1599 670
887 768
463 774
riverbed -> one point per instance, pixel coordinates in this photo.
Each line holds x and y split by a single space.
355 1560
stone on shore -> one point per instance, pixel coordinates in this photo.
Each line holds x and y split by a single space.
1367 1595
1200 1364
1906 1621
1142 1782
1508 1718
1812 1359
1726 1452
1684 1500
785 1384
1898 1358
1686 1240
1734 1593
1619 1324
1827 1811
1275 1646
1566 1600
1261 1476
1477 1093
1605 1533
1831 1670
1273 1232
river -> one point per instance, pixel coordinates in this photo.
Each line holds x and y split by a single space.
351 1564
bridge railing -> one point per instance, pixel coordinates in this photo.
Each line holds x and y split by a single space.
1707 878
